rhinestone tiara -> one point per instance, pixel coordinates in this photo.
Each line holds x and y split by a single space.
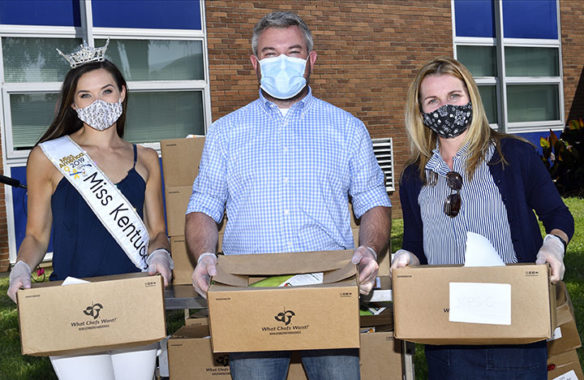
85 54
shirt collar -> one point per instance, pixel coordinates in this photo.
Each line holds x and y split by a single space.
437 164
301 104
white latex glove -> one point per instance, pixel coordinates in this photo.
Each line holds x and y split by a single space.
552 252
403 258
19 279
206 267
366 257
159 261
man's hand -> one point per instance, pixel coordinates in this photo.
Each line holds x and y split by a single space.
552 252
368 268
206 267
19 279
159 261
403 258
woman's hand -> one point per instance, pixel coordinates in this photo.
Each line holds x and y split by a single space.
403 258
159 261
19 279
552 252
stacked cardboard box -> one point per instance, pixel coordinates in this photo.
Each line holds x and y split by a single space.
106 313
562 355
180 164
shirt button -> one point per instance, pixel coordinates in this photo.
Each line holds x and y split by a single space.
286 212
290 245
285 149
285 179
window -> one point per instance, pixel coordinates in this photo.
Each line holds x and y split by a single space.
159 46
512 48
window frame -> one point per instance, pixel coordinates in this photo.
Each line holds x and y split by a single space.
89 33
502 80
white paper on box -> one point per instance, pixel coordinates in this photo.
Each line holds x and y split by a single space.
480 252
557 334
73 280
570 375
485 303
304 279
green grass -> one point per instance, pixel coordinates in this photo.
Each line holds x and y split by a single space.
14 366
574 261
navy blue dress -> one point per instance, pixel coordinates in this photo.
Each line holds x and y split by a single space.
82 247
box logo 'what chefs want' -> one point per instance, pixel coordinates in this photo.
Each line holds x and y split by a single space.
285 316
94 310
285 326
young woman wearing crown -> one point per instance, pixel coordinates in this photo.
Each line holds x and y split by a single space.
102 197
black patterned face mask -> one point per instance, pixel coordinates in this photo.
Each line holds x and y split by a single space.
449 120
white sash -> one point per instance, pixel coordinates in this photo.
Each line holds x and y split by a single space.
110 206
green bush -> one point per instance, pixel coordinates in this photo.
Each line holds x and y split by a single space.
564 158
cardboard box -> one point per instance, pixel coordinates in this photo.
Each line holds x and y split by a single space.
565 337
476 305
109 312
381 357
565 366
284 318
190 357
177 200
180 164
183 266
180 160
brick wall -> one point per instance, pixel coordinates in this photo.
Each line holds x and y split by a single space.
367 51
572 28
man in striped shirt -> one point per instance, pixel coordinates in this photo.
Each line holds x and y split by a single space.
284 167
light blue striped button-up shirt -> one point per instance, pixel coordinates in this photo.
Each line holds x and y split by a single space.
285 180
482 211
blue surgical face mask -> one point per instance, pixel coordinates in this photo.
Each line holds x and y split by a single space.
282 76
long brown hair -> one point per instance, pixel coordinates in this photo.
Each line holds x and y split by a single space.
66 120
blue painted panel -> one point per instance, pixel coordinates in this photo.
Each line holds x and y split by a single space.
530 19
19 199
533 137
154 14
474 18
40 12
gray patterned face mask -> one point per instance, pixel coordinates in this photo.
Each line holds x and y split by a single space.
449 120
100 115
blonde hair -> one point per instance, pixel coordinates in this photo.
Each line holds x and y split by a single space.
423 140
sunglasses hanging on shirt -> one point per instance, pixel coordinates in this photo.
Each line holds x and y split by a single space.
452 202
